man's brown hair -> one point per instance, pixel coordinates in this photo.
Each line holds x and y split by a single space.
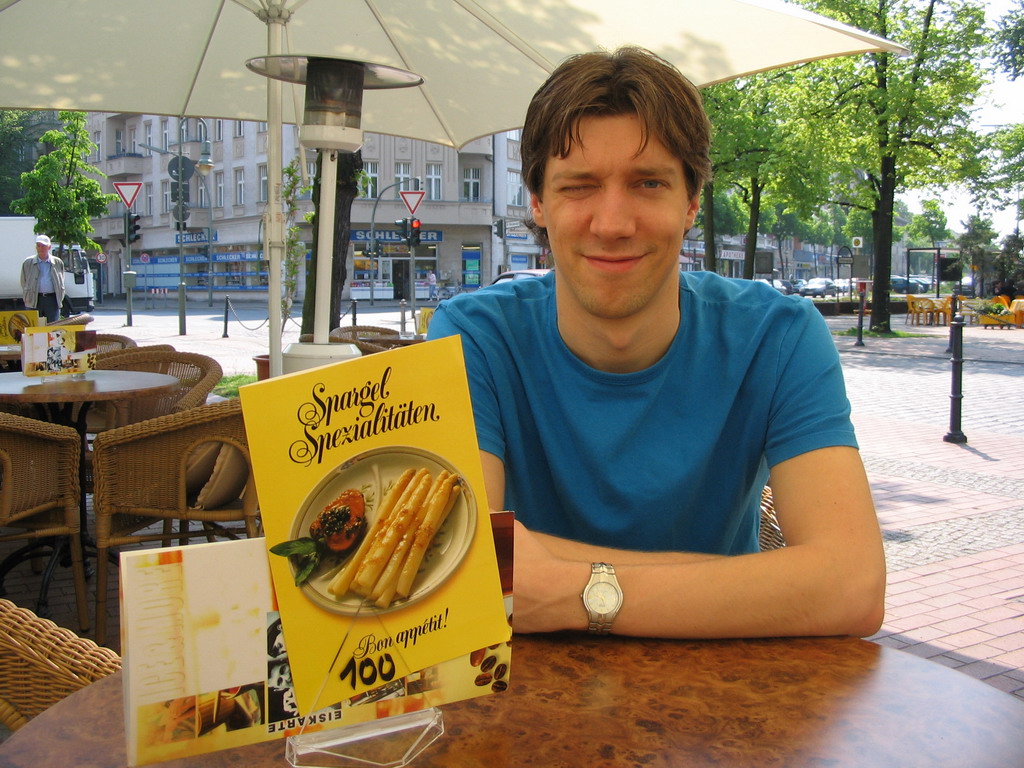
627 81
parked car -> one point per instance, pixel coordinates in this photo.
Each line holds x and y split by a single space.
819 286
901 284
520 274
782 286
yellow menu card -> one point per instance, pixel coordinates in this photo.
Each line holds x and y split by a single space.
372 499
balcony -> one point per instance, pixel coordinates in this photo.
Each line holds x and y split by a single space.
124 164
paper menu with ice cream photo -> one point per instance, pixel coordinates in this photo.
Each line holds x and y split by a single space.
376 519
206 666
57 351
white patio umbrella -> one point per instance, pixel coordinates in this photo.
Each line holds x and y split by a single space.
480 60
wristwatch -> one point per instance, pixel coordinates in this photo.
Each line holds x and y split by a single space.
602 597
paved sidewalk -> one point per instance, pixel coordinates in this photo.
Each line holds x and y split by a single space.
952 514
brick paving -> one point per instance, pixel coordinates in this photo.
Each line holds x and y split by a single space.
952 514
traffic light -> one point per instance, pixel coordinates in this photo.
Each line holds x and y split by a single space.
499 228
414 232
403 229
134 227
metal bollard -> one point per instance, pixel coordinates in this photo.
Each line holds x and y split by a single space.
402 305
956 397
354 310
860 320
227 304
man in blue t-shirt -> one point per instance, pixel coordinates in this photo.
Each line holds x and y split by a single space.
631 415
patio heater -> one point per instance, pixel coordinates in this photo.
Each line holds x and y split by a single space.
331 124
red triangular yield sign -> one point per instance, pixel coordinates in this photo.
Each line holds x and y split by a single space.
127 191
412 199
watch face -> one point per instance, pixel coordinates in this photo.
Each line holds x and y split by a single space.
602 597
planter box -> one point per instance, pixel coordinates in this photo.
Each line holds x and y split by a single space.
997 321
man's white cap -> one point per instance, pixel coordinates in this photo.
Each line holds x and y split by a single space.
43 239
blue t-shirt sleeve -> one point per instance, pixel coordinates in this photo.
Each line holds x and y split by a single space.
809 409
482 388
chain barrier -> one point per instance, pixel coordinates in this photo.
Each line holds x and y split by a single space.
230 308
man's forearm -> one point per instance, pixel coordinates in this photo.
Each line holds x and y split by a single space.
799 590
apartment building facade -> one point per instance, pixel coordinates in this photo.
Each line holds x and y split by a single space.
470 196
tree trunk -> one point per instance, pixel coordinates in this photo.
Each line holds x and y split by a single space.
346 191
750 249
882 230
710 259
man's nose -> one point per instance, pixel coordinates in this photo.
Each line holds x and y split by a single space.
613 214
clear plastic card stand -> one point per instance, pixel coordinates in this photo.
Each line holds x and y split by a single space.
391 742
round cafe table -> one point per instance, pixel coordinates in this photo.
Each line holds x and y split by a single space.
56 396
608 702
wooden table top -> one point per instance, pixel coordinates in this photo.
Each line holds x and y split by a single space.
610 702
92 386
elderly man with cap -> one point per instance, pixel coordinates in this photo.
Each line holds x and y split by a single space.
42 281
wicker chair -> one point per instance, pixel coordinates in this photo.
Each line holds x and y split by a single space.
39 499
198 375
357 334
771 535
81 319
146 474
41 663
108 342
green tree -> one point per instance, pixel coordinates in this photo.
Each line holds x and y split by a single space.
902 121
292 188
976 248
60 191
14 139
1009 53
761 149
929 226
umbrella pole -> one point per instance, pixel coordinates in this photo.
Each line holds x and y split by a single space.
325 245
274 217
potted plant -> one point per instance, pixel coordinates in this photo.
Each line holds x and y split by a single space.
994 313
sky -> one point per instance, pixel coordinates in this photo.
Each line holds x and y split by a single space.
1003 105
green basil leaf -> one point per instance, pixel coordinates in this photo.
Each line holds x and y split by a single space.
301 547
306 567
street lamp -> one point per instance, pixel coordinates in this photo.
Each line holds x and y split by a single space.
180 173
204 166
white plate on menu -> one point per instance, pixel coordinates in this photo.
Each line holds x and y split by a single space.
373 472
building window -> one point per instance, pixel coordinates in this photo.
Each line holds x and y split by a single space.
218 130
148 192
515 188
239 129
204 196
239 186
264 187
434 181
218 189
471 184
165 196
133 145
372 171
182 131
261 127
118 141
165 134
97 139
516 135
147 134
403 177
201 130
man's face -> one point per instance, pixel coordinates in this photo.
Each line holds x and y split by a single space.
42 251
615 219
